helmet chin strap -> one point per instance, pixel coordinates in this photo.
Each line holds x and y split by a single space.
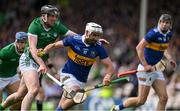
44 18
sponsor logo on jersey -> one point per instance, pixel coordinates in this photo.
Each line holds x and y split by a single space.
82 60
85 50
13 59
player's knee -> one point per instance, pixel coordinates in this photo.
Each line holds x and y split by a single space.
34 91
163 98
141 102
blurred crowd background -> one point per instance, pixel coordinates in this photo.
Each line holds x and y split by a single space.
120 21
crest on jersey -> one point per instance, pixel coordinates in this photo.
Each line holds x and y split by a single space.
77 48
93 53
55 34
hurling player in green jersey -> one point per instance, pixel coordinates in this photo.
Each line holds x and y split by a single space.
42 31
9 62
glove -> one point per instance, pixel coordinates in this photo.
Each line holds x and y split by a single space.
40 53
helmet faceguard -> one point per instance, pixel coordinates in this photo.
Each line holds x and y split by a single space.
93 32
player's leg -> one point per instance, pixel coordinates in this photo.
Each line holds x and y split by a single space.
66 101
1 91
31 79
12 88
140 99
145 81
134 101
3 83
1 107
40 96
159 86
17 96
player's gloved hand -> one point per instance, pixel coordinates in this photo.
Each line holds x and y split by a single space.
40 52
104 41
107 80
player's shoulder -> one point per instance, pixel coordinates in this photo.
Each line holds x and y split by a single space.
74 38
152 31
8 47
99 43
36 21
77 37
58 23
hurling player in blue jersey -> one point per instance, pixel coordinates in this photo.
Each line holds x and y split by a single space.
151 50
82 53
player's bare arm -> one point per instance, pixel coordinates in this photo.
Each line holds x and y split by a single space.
70 33
52 46
167 54
32 47
140 51
109 70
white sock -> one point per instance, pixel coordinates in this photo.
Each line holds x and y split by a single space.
117 107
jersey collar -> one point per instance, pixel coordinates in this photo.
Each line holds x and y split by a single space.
46 29
158 28
83 40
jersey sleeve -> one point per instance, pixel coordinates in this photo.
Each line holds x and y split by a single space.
102 52
62 29
33 29
3 54
150 36
67 41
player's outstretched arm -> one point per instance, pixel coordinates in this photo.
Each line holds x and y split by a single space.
109 70
58 44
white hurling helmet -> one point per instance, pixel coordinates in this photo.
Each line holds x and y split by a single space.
93 27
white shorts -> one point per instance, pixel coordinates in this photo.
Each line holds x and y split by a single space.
70 81
4 82
26 63
147 79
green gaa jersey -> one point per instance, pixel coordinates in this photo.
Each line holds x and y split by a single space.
45 36
9 61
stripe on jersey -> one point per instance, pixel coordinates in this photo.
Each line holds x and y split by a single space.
85 61
158 46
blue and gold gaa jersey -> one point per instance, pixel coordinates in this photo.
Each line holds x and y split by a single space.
81 56
158 43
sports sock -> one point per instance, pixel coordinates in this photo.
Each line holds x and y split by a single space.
121 106
59 108
1 108
39 105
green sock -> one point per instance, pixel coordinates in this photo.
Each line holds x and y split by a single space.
1 108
